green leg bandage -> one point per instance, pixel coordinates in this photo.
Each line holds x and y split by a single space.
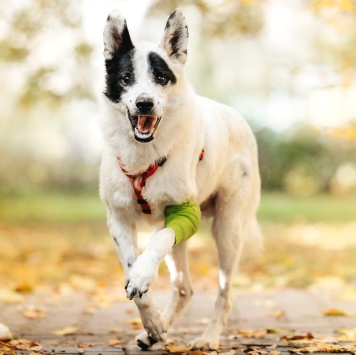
184 219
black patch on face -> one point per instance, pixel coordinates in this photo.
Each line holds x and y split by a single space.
160 68
120 66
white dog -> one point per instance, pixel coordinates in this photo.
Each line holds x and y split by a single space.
168 152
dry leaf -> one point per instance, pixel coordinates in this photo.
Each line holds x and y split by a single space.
308 336
136 323
86 345
20 344
66 331
33 313
24 288
334 312
277 314
326 348
338 313
248 333
115 330
177 349
5 333
114 341
347 334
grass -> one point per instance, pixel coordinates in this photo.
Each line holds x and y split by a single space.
55 206
277 207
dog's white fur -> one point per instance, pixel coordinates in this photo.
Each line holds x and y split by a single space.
225 183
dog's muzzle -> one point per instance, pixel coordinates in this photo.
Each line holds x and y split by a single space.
144 126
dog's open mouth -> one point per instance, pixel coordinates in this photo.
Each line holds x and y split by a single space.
144 127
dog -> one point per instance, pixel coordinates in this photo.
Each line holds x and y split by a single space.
165 145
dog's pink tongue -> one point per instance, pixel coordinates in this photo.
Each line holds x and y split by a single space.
145 123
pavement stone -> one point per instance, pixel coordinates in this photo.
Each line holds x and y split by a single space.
250 311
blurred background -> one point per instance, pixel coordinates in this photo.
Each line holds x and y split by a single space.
288 66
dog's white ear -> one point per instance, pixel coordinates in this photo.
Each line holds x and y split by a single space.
175 37
116 35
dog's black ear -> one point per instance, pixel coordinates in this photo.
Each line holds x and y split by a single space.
116 35
175 37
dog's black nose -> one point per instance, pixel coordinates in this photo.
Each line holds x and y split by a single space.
144 104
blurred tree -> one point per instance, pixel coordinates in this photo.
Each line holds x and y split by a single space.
30 27
222 17
304 161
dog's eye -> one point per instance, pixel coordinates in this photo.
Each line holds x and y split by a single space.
161 79
126 79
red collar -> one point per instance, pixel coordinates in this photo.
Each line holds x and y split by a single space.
139 180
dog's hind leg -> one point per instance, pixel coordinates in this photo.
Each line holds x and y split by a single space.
182 291
228 234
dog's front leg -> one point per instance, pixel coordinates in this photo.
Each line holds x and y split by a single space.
125 238
145 268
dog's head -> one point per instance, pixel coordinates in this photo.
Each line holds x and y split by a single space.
140 81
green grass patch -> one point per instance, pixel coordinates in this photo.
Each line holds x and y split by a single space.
278 207
52 206
55 206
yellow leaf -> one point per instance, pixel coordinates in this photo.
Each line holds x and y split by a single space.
177 349
347 334
135 323
248 333
334 312
114 341
277 314
66 331
33 313
115 330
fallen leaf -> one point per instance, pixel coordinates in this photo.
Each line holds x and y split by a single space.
347 334
308 336
20 344
66 331
177 349
86 345
333 312
33 313
326 348
114 341
276 314
115 330
24 288
248 333
279 331
136 323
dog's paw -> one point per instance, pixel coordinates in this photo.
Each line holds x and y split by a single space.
205 343
140 278
155 326
144 341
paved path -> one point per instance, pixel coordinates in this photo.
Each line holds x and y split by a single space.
97 319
